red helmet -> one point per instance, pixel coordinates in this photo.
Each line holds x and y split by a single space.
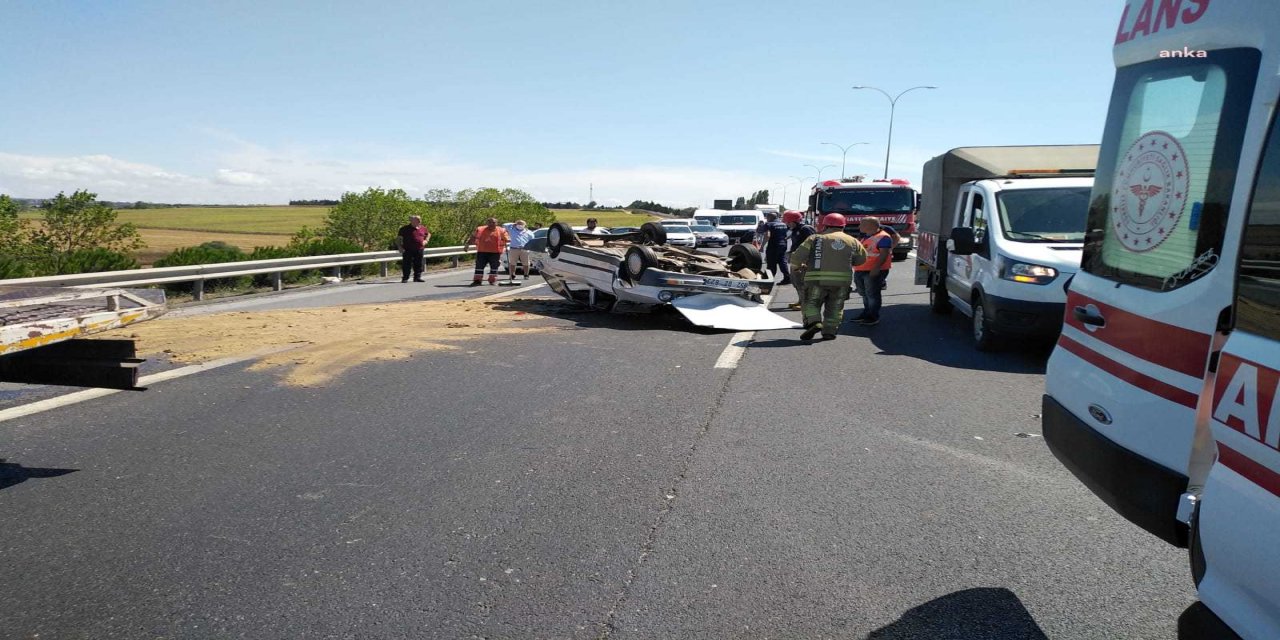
833 220
792 216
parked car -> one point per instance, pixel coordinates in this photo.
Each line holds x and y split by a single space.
640 270
709 236
679 233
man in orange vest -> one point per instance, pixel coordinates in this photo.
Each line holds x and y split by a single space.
490 241
870 275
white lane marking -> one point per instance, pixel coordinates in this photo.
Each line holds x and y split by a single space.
738 344
736 348
511 291
90 394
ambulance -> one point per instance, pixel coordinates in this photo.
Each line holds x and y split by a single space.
1160 393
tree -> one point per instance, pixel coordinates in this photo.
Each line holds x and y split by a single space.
741 203
591 205
370 219
452 221
78 223
12 228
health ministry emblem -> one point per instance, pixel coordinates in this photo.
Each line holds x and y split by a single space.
1150 191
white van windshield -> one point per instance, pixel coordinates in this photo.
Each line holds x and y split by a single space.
738 219
1044 215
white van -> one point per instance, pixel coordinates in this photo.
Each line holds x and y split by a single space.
1161 393
708 216
739 223
1002 233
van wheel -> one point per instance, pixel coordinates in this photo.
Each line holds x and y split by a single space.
939 303
983 338
638 260
559 235
745 256
653 233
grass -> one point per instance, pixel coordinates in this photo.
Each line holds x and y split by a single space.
161 242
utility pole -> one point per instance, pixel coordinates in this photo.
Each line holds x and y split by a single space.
591 192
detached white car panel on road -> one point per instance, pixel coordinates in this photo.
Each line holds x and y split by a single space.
735 314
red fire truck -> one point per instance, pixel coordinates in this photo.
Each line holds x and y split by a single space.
894 202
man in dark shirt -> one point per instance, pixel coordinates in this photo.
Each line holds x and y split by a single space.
413 239
794 220
775 247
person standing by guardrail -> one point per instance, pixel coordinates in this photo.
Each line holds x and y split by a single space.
490 240
517 253
412 242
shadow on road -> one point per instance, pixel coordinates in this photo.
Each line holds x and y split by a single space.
11 474
965 615
912 330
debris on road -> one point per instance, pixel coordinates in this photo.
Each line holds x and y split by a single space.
328 344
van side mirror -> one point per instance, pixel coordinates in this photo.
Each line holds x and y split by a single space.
813 201
963 241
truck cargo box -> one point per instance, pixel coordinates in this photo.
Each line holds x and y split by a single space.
944 174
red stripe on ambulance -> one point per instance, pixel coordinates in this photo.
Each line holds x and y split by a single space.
1167 345
1251 469
1135 378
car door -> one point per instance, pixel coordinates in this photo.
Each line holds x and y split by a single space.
1240 504
1143 312
960 268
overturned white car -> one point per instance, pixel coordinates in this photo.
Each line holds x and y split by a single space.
614 271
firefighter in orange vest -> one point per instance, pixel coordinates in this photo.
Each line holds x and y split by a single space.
870 275
826 259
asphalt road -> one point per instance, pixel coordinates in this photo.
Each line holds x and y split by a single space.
601 480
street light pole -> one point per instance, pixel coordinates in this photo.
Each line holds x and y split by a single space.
800 192
819 170
893 102
843 152
784 192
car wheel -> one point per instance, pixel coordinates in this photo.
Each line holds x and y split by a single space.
653 233
983 338
559 235
745 256
638 259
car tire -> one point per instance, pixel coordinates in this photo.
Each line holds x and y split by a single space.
983 338
653 233
558 236
745 256
637 260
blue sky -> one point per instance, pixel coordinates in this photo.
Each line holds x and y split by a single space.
679 102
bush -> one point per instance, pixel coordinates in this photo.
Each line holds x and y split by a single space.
328 247
207 253
95 261
277 253
14 267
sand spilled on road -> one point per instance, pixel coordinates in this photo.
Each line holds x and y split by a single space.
330 340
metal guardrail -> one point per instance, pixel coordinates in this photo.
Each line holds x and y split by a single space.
197 274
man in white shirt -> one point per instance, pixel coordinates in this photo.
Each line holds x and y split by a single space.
516 251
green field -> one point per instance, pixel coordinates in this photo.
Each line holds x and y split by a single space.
284 220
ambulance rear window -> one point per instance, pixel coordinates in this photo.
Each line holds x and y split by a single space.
1167 168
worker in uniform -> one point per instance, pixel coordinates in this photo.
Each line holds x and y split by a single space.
797 234
827 259
871 275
